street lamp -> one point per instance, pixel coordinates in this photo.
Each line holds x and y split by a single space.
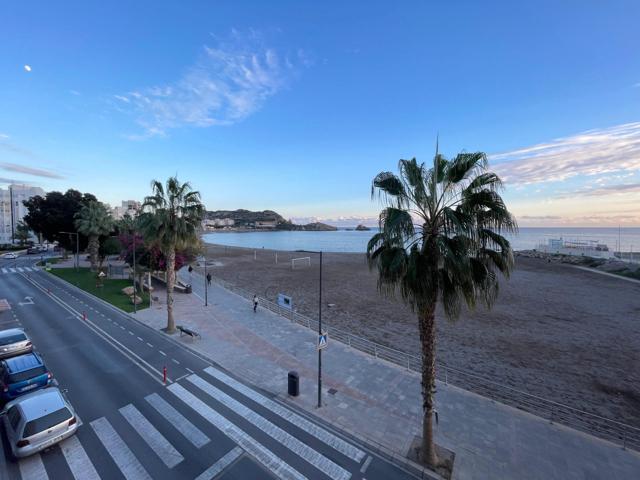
319 327
77 262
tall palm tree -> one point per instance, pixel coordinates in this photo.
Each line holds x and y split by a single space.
171 218
440 241
93 221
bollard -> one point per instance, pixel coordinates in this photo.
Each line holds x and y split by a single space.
84 316
164 375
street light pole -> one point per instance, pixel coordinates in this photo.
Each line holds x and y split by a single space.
134 273
319 334
206 284
76 263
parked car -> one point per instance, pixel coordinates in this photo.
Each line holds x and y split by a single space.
23 374
14 342
32 250
38 420
10 256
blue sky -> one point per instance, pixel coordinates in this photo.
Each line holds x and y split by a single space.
295 106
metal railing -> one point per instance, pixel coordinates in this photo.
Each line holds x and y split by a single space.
618 432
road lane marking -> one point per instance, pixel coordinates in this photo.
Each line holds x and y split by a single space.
140 339
266 457
301 449
175 361
162 353
189 370
122 327
4 270
220 465
78 460
311 428
20 270
32 468
124 458
149 344
13 270
366 464
156 441
179 421
27 269
130 332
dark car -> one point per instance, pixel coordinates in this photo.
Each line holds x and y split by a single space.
23 374
32 250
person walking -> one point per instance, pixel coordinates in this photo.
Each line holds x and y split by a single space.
208 279
255 303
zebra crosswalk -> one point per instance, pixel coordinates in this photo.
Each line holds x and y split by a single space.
201 427
8 270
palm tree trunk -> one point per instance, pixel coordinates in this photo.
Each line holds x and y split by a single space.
427 326
171 278
94 245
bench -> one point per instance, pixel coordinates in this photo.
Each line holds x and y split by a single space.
186 331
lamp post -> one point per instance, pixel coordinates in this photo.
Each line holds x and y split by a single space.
206 284
319 328
77 262
134 273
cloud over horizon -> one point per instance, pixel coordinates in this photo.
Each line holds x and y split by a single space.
594 152
36 172
228 83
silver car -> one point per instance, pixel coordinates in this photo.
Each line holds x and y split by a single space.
37 421
14 342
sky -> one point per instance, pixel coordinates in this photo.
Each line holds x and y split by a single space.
296 106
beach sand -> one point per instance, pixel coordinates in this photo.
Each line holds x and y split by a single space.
556 331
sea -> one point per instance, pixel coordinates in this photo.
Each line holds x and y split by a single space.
349 240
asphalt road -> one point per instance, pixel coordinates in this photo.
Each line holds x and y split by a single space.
202 424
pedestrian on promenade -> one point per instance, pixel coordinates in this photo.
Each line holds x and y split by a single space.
208 278
190 269
255 303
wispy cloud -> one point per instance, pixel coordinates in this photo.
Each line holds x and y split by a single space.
620 189
36 172
539 217
228 83
592 152
4 136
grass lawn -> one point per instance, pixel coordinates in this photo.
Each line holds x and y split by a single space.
111 292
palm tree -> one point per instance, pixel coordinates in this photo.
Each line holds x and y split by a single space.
171 218
93 221
440 241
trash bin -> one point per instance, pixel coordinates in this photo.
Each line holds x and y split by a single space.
188 289
294 384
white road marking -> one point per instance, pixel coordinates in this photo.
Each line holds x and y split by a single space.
158 443
13 270
266 457
301 449
149 344
78 460
175 418
4 270
32 468
366 464
140 339
311 428
126 461
122 327
20 270
220 465
175 361
189 370
27 269
162 353
130 332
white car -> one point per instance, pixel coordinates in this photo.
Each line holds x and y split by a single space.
10 256
37 421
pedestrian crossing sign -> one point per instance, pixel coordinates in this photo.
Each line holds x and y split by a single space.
322 340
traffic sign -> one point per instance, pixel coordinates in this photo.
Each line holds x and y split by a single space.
323 340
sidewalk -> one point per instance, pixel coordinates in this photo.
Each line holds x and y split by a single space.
378 401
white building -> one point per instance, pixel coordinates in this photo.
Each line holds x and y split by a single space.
211 224
12 210
128 207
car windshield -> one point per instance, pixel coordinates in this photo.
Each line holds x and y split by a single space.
41 424
27 374
9 339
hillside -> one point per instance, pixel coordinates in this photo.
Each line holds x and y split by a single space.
248 219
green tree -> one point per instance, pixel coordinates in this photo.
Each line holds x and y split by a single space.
93 221
23 233
170 220
440 242
55 213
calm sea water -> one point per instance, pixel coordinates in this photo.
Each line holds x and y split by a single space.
353 241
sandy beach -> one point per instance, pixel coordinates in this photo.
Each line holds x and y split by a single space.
556 331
